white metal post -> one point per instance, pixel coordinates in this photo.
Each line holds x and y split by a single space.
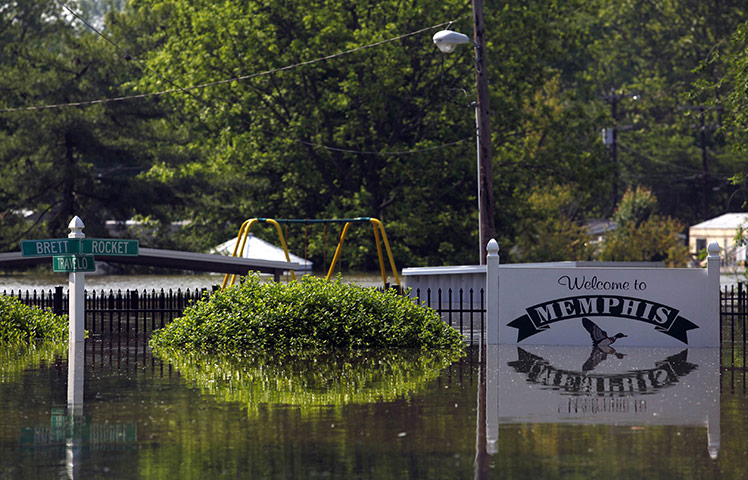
492 293
76 359
76 288
492 399
712 294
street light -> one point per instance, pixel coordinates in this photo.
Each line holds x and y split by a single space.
447 41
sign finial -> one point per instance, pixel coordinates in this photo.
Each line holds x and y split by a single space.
76 227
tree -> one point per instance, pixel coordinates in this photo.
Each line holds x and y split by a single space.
554 231
61 162
643 235
654 49
362 134
244 118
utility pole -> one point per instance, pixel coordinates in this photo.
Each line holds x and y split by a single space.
446 41
610 136
485 162
702 109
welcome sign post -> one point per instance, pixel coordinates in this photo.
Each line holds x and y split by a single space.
560 305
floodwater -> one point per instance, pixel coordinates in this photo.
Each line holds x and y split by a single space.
506 412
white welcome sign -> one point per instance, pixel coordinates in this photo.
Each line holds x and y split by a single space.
552 305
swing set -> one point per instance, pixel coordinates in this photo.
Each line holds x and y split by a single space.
379 233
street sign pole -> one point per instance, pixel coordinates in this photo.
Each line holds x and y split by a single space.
75 255
76 292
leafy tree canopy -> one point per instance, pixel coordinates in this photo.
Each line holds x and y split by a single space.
323 109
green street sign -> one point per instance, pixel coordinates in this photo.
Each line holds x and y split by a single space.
73 263
50 247
109 246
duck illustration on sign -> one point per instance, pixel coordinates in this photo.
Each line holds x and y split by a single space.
601 344
600 338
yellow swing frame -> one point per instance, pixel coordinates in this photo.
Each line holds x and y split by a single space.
380 236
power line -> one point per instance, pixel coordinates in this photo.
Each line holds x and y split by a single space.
217 82
658 160
127 55
403 152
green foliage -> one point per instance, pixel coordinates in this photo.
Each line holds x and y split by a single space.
66 161
726 88
320 141
642 235
385 131
636 207
311 379
657 50
23 325
552 229
309 315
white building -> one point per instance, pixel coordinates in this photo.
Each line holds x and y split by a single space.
721 229
257 248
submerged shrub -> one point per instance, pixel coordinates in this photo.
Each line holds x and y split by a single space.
17 359
311 314
21 324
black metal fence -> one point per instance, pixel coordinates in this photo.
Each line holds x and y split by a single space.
139 313
465 311
129 313
733 316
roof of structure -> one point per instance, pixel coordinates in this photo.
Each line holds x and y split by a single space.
260 249
728 220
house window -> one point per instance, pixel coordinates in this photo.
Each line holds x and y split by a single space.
700 244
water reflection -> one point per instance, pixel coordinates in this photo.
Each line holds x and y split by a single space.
527 413
568 385
14 361
75 420
338 378
663 374
76 359
69 427
75 437
406 418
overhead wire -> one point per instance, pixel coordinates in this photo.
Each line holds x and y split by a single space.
214 83
188 90
127 54
402 152
657 160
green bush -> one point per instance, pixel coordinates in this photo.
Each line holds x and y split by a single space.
309 315
22 325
